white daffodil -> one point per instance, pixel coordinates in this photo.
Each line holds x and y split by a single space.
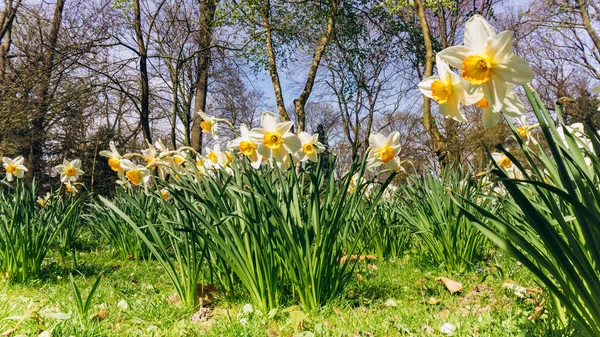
577 130
246 146
486 61
114 158
200 165
274 138
72 187
180 158
447 90
390 191
209 125
136 174
354 181
164 194
45 200
311 147
14 167
151 157
511 169
216 158
155 156
502 160
383 150
512 107
69 171
524 130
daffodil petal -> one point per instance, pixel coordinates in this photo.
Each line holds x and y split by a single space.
451 110
477 32
514 69
377 140
279 154
284 127
513 107
269 121
425 86
499 47
455 55
291 142
489 117
495 92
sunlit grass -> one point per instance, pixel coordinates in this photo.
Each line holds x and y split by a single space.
394 298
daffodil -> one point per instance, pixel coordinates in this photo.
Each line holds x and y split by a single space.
311 147
72 187
511 169
382 150
390 191
216 159
578 132
45 200
156 157
69 171
524 130
136 174
180 158
165 194
14 167
209 125
447 90
486 61
246 146
512 107
114 158
355 181
274 138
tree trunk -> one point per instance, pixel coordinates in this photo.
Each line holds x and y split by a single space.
272 62
205 36
585 19
7 17
300 102
144 87
452 140
439 144
43 95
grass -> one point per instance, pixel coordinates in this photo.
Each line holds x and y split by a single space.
422 304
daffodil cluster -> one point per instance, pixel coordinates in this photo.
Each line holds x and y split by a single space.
69 172
488 69
272 142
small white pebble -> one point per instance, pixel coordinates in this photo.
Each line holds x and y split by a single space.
123 305
391 303
448 328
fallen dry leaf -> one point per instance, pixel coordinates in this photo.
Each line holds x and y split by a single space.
451 285
207 293
538 311
175 300
100 316
359 277
373 267
442 314
337 311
